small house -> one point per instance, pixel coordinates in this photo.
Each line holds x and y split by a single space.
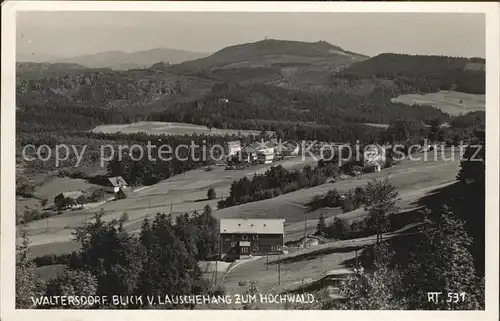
265 153
248 154
67 199
114 184
233 147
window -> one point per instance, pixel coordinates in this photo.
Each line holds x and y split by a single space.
255 237
227 239
255 247
244 237
233 244
244 249
275 247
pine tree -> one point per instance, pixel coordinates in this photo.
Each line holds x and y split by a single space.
211 194
321 227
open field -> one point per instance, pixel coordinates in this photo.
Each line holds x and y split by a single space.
164 128
383 126
182 193
446 101
50 189
413 179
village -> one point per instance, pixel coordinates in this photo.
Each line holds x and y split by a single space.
237 156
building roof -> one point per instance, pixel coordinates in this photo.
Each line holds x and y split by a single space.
252 226
234 142
117 181
72 194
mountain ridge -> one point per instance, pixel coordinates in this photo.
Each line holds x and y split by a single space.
120 60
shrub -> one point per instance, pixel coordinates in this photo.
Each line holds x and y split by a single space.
211 194
337 229
348 205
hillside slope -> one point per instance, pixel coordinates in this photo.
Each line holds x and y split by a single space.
118 60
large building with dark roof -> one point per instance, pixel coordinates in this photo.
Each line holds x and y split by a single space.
244 237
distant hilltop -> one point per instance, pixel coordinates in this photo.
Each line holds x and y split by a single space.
118 60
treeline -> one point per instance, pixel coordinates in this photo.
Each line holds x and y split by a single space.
111 261
276 181
420 73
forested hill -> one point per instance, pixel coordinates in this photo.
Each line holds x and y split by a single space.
273 52
414 73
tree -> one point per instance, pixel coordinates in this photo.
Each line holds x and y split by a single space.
472 165
441 260
111 254
338 229
321 228
72 283
211 194
168 266
380 202
381 291
251 290
209 233
27 285
435 131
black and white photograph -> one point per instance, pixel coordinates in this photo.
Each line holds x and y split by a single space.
232 159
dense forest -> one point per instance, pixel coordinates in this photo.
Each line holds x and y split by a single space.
414 73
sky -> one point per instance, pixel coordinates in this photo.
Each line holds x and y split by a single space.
66 34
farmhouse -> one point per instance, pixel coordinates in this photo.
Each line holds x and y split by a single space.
233 147
244 237
114 184
248 154
265 153
67 199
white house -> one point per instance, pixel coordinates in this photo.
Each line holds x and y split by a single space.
114 184
233 147
265 153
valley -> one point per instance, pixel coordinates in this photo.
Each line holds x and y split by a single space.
268 91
